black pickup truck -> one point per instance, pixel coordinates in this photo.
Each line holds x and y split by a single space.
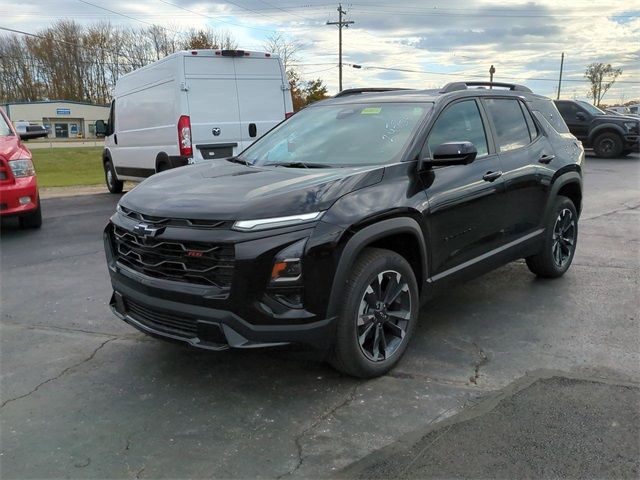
609 135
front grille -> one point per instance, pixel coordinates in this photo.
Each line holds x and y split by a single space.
176 222
184 327
189 262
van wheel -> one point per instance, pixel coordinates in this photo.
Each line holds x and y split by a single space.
113 184
378 316
33 219
162 166
561 236
608 145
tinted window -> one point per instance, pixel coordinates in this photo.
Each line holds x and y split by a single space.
533 130
549 111
511 127
461 122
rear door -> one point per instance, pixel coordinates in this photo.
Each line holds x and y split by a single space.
212 100
261 96
524 154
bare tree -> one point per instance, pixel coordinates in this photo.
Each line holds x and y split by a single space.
208 38
284 47
602 77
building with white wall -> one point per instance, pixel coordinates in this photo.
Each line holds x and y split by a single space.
62 118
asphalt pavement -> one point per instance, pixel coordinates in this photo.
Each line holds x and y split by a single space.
85 395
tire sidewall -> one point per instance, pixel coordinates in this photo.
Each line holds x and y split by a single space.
347 336
617 150
561 203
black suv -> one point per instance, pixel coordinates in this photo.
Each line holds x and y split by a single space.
608 134
337 225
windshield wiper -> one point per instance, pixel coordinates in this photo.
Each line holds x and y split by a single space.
237 160
298 165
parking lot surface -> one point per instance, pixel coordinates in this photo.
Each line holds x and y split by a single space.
85 395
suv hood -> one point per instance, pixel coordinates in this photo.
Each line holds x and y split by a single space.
616 118
223 190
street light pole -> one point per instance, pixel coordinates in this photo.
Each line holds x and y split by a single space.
492 70
560 78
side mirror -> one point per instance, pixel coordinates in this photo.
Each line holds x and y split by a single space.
101 128
452 153
581 116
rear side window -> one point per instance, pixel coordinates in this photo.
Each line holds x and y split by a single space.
511 128
533 130
461 122
549 111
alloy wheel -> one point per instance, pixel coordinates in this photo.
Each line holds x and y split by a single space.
564 237
383 316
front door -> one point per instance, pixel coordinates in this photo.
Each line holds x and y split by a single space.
576 118
465 201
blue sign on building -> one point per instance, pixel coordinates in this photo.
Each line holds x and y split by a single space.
63 111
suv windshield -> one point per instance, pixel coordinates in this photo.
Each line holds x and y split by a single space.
590 108
340 136
5 130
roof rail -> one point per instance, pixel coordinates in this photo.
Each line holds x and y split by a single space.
455 86
356 91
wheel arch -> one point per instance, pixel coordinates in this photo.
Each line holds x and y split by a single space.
402 235
606 128
162 157
568 184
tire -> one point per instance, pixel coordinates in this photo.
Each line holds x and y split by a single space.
608 145
561 236
33 219
387 324
162 166
113 184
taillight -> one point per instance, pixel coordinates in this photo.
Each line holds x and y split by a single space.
184 136
288 114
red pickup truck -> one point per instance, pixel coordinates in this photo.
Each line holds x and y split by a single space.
18 186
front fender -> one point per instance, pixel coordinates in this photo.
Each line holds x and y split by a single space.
361 240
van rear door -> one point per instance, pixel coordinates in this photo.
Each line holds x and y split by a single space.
261 96
213 106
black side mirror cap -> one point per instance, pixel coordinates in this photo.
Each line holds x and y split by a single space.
101 127
451 153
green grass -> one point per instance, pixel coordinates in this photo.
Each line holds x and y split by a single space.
64 167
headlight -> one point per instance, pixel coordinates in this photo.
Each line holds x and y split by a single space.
632 127
265 223
22 168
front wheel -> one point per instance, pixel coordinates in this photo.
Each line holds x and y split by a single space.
113 184
561 236
33 219
608 145
378 316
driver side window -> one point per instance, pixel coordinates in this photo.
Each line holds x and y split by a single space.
461 122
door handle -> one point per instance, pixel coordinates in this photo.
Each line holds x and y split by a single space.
491 176
546 158
115 138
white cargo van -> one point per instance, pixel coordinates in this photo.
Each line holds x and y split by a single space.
191 106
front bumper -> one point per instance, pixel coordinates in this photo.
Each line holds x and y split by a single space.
632 142
210 328
10 196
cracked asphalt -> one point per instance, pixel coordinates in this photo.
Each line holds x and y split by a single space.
84 395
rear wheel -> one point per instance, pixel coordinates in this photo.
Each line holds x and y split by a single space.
162 166
608 145
33 219
561 236
378 315
113 184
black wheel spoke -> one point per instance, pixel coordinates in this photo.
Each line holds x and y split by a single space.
384 315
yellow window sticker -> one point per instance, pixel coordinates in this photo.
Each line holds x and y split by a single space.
371 111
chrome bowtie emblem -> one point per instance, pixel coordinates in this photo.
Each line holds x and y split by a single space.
216 131
146 230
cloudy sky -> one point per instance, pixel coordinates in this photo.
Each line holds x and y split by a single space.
413 43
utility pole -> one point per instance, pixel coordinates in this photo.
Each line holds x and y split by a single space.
492 70
560 78
340 24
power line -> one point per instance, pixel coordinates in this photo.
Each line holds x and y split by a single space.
127 16
213 18
287 11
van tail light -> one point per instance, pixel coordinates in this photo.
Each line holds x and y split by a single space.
288 114
184 136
